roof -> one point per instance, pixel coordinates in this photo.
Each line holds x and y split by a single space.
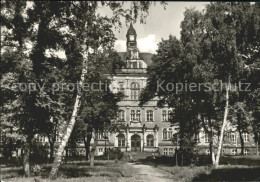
146 57
131 30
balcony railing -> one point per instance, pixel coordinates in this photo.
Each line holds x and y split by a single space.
131 70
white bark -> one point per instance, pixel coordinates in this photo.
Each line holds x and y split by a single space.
67 133
224 124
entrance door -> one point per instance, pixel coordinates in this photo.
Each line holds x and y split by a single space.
135 143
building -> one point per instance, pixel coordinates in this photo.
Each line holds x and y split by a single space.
147 127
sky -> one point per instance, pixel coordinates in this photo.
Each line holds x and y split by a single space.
159 25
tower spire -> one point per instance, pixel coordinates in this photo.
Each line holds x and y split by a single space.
131 37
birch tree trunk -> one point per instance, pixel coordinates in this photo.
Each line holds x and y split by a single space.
26 156
223 125
239 127
87 140
70 126
257 147
93 149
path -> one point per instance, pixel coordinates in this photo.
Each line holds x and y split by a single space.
147 173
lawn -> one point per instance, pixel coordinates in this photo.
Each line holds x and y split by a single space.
76 171
232 168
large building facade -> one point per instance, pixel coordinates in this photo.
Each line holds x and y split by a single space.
147 127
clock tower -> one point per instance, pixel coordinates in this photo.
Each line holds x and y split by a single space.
131 38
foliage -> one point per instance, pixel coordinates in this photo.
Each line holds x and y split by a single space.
114 153
217 45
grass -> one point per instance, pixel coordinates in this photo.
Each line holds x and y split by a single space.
185 173
232 168
223 173
80 179
76 171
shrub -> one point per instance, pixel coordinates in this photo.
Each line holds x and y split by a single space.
114 153
36 169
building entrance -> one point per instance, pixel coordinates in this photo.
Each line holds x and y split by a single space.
135 143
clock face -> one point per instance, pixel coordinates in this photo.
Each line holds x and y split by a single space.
132 37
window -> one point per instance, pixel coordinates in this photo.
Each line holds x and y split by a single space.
164 134
207 151
169 114
140 64
167 134
121 115
233 151
121 87
165 151
100 135
100 149
80 140
106 135
164 115
246 152
132 115
170 133
206 138
81 152
149 115
233 137
40 138
170 151
134 65
138 115
121 140
245 137
135 115
135 91
150 141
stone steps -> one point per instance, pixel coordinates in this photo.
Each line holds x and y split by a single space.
139 155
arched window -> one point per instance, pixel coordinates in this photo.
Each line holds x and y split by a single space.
138 115
150 141
149 115
164 134
170 133
169 114
121 140
207 151
135 91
